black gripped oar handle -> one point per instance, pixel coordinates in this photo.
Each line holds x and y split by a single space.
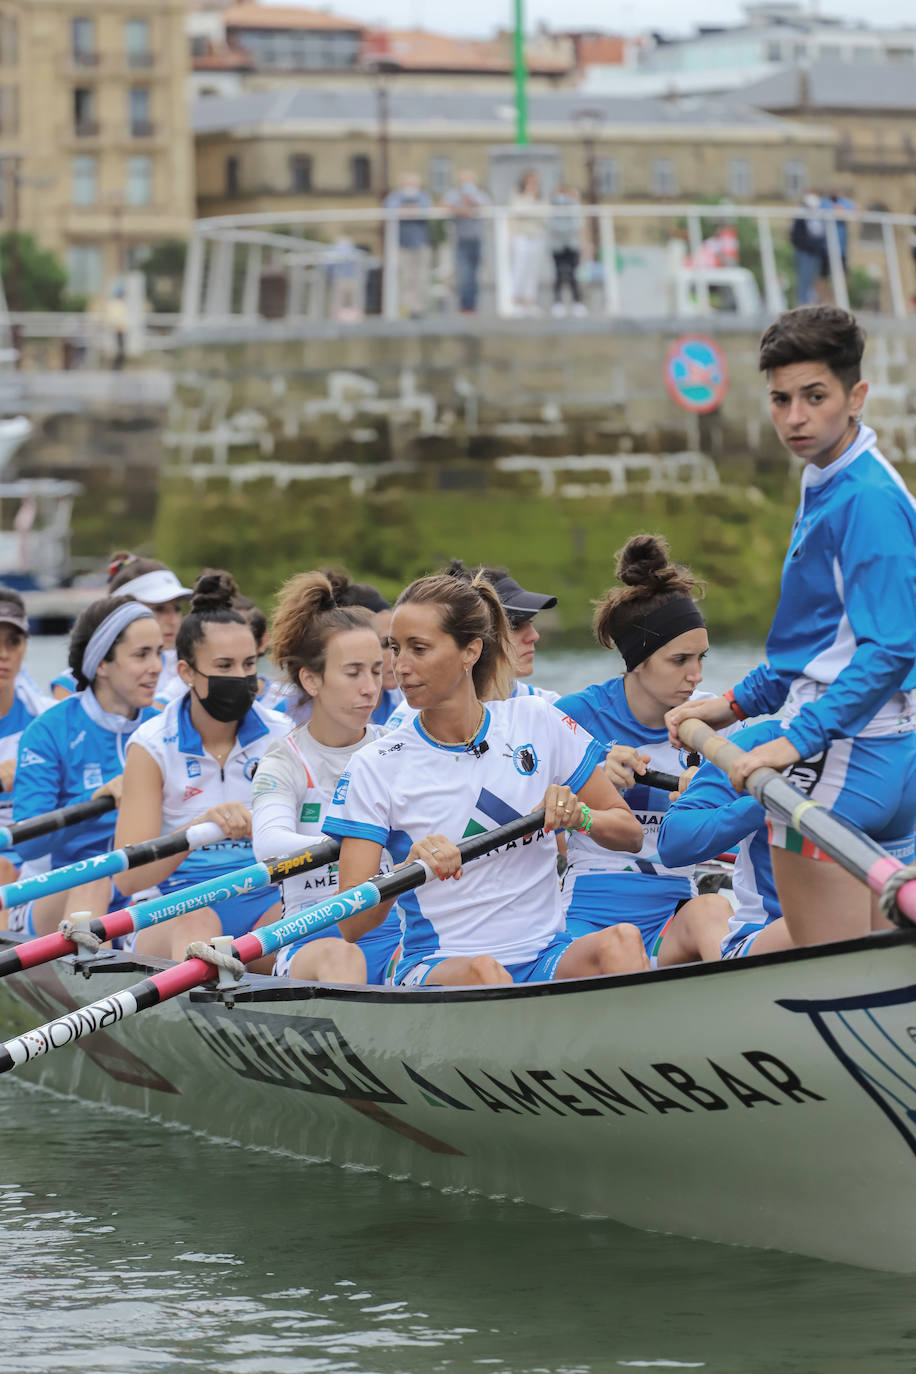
325 851
653 777
179 978
35 826
845 843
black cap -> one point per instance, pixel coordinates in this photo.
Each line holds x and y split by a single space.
518 604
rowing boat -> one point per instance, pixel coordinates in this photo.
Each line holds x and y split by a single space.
768 1101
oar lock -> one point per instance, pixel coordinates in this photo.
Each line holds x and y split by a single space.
75 928
218 952
887 897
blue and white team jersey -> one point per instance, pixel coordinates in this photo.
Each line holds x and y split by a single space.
604 711
708 819
404 712
170 686
388 703
65 755
841 653
28 703
290 797
525 689
408 786
193 781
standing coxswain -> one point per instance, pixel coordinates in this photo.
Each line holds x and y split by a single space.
330 650
841 652
194 762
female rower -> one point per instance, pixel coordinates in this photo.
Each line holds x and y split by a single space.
656 625
76 749
841 660
460 767
149 581
195 762
330 650
391 696
20 703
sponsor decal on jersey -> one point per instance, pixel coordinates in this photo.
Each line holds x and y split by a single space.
92 776
310 813
341 790
79 739
570 723
251 767
525 759
170 739
28 757
193 767
190 792
264 782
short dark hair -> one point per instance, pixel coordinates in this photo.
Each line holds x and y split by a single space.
816 334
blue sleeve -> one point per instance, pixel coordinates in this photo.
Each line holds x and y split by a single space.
763 691
877 563
39 781
577 708
706 820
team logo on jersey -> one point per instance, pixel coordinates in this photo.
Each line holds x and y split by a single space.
570 723
341 790
494 809
251 767
190 792
28 757
264 783
524 758
170 739
193 767
92 776
310 813
79 739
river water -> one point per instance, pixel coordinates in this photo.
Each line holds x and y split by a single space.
129 1246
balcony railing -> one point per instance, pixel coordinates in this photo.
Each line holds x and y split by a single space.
139 60
142 128
636 262
82 57
86 128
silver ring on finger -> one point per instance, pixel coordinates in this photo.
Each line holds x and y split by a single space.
433 849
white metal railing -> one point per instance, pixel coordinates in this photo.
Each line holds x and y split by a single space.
649 260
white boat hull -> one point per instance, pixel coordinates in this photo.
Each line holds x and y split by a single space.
767 1102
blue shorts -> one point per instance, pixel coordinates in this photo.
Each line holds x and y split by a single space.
415 971
20 918
648 901
870 782
381 948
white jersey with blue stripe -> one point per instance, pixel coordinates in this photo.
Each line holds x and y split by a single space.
527 689
404 712
193 781
604 711
841 653
408 786
709 818
65 755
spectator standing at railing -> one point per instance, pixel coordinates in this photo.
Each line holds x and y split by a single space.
565 229
527 236
414 247
465 200
807 237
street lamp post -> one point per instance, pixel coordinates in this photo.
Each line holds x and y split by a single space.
590 120
521 75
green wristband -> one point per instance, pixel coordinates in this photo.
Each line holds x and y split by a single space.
585 824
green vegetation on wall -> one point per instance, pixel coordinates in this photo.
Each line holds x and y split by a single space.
562 547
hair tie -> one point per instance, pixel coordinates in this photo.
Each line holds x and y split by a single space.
105 634
116 564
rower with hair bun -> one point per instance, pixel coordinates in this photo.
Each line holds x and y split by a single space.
194 762
76 750
655 624
330 650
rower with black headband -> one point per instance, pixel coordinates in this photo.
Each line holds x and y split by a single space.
658 629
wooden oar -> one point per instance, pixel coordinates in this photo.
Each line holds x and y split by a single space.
49 821
850 847
106 865
142 915
265 940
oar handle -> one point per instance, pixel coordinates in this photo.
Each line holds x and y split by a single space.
848 846
49 821
653 777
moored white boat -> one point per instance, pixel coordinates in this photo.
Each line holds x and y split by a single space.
766 1102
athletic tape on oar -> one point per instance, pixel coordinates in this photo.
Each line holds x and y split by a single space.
51 821
850 847
156 910
182 977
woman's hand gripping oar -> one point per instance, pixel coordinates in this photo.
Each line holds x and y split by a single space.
159 909
264 940
50 821
844 842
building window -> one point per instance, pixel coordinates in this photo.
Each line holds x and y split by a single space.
82 42
829 52
608 181
900 55
85 180
299 49
84 268
232 176
360 172
9 109
139 186
300 172
774 52
138 111
664 178
136 43
9 41
85 124
739 178
440 174
794 179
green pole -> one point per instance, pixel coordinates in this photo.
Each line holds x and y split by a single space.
521 76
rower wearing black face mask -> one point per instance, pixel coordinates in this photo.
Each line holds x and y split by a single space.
196 762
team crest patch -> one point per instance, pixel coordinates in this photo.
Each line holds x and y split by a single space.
92 776
190 792
251 767
193 767
310 813
525 759
341 790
